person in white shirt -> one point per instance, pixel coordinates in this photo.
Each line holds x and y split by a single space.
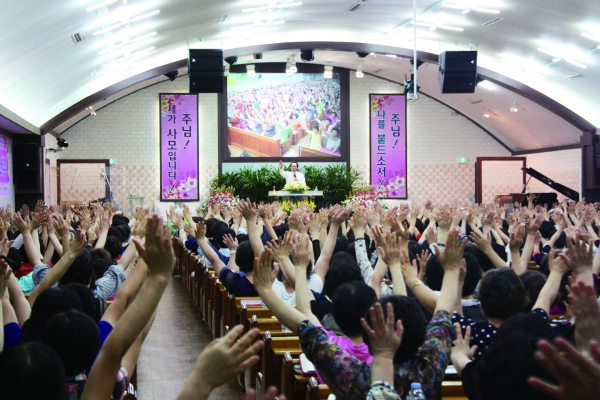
293 175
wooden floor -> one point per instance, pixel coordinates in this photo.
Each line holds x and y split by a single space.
172 347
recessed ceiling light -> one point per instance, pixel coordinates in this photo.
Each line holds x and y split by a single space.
144 16
575 63
486 85
391 55
590 36
100 5
271 6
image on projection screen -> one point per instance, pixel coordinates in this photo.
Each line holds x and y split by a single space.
280 115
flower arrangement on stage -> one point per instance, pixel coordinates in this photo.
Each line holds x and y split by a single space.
366 196
222 196
289 206
296 187
185 188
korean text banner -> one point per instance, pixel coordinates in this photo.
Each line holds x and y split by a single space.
179 147
388 143
4 178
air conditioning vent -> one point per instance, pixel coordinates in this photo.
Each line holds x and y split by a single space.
223 18
76 38
477 102
355 7
573 77
492 21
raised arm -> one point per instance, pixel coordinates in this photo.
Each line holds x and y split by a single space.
249 213
552 285
24 226
281 253
451 262
484 244
532 228
389 250
206 248
517 238
301 256
578 258
322 264
75 249
158 255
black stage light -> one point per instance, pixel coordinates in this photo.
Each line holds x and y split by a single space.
419 63
172 75
231 60
362 54
62 142
307 55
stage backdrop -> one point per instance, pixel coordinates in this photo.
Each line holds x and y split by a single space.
388 143
178 147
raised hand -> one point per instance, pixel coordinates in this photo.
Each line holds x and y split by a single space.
5 272
578 257
517 238
585 308
22 223
388 248
301 251
480 241
200 232
78 244
453 253
340 216
230 242
262 275
157 251
385 336
247 209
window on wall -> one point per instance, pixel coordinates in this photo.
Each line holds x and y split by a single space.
82 181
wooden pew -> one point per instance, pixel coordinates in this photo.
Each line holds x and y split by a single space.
216 308
273 352
205 295
271 325
261 145
308 152
314 391
453 390
293 385
246 314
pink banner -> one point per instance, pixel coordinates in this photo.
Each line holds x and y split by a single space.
179 147
4 178
388 143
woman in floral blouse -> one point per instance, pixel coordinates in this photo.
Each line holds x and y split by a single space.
422 356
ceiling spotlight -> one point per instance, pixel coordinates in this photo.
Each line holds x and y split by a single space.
92 112
231 60
514 108
362 54
328 74
307 55
486 114
250 72
359 72
60 142
172 75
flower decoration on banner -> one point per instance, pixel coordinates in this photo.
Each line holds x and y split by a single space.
366 196
377 103
169 103
289 206
222 196
296 187
396 186
184 188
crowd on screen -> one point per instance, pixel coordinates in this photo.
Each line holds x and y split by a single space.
379 298
309 107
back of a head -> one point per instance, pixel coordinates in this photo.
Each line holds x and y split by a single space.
342 269
216 228
75 338
280 230
49 303
100 266
351 301
89 302
244 257
80 271
509 362
409 312
341 244
534 282
484 261
502 294
114 232
13 258
222 232
100 253
31 371
114 246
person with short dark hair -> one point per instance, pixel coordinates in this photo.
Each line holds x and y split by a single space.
291 176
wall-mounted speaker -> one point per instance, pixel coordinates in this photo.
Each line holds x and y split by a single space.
28 171
206 68
206 82
458 71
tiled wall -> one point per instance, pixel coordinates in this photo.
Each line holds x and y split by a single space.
81 183
563 167
127 131
499 178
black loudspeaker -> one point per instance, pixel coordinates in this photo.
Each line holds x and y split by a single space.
28 167
458 71
209 60
206 71
206 82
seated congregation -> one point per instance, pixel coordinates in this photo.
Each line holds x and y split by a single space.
378 300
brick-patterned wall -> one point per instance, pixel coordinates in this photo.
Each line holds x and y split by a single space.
500 177
81 183
437 138
563 167
128 131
